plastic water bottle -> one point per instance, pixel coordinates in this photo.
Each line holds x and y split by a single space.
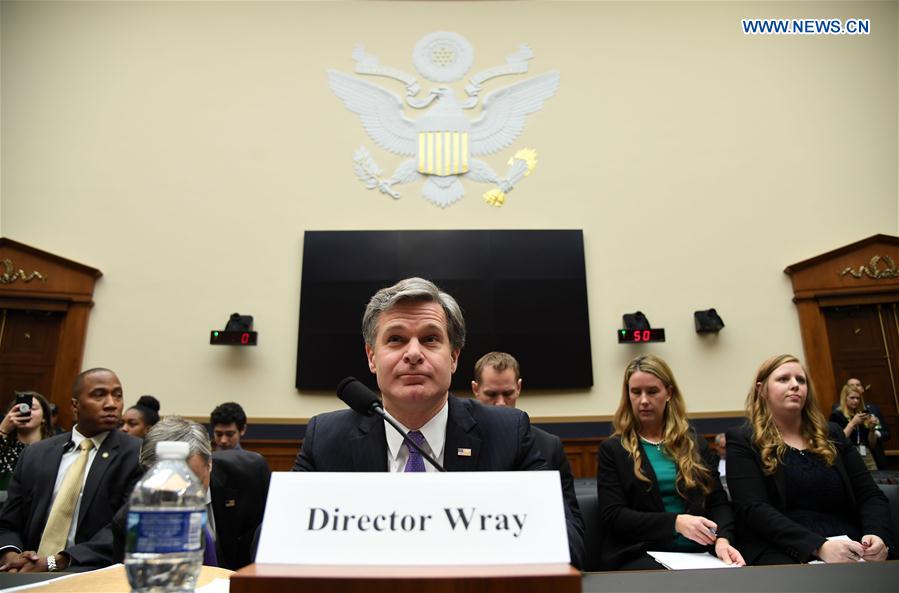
165 536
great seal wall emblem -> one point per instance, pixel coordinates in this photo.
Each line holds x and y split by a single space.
443 143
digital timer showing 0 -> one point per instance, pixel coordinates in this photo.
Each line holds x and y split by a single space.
233 338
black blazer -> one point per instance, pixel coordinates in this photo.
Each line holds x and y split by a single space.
553 451
499 440
109 482
239 486
632 514
760 500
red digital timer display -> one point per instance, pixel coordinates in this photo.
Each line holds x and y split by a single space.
232 338
636 336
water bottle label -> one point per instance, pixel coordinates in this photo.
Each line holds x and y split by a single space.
164 532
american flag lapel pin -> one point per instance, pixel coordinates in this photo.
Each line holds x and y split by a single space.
463 452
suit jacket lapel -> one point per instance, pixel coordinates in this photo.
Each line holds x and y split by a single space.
46 480
104 458
224 513
780 483
224 500
369 445
844 475
650 473
462 438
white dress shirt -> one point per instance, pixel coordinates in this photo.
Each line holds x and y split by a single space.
434 432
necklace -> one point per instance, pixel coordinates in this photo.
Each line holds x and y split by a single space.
656 444
794 449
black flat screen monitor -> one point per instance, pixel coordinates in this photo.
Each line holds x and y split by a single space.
522 292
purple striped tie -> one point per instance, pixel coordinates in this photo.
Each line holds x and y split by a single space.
415 462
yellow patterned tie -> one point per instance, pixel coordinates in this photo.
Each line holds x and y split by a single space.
60 520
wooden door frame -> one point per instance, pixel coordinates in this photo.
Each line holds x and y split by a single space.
34 279
862 273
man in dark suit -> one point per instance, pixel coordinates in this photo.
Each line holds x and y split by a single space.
237 486
413 335
497 382
34 518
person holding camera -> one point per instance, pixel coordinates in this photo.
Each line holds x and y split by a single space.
26 421
861 423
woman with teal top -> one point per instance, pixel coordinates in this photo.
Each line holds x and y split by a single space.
658 481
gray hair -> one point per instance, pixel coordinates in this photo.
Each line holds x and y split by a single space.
414 289
175 428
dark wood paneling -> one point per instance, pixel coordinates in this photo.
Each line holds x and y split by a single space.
280 454
29 343
840 341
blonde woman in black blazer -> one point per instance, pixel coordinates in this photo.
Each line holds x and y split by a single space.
796 480
657 483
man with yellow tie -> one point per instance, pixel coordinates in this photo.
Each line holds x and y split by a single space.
65 489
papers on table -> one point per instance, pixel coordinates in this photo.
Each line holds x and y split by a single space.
689 561
57 579
216 586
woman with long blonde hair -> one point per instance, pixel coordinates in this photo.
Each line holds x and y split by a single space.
658 485
861 423
796 480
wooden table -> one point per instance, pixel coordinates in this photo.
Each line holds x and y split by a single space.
524 578
109 580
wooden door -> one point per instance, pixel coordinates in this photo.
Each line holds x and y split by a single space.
864 343
29 341
44 305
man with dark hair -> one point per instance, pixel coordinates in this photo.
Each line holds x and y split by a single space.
67 488
497 382
229 424
414 333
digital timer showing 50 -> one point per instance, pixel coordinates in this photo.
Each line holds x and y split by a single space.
636 336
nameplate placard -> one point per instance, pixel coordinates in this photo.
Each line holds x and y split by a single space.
453 518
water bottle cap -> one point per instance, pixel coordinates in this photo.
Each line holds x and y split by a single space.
172 450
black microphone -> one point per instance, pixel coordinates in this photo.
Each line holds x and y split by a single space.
362 400
357 396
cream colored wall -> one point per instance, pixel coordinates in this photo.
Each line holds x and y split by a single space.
183 148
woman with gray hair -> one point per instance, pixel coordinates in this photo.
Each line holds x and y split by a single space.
199 459
176 428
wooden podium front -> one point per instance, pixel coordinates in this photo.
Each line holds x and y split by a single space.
289 578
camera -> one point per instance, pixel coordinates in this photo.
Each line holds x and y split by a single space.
23 403
869 413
